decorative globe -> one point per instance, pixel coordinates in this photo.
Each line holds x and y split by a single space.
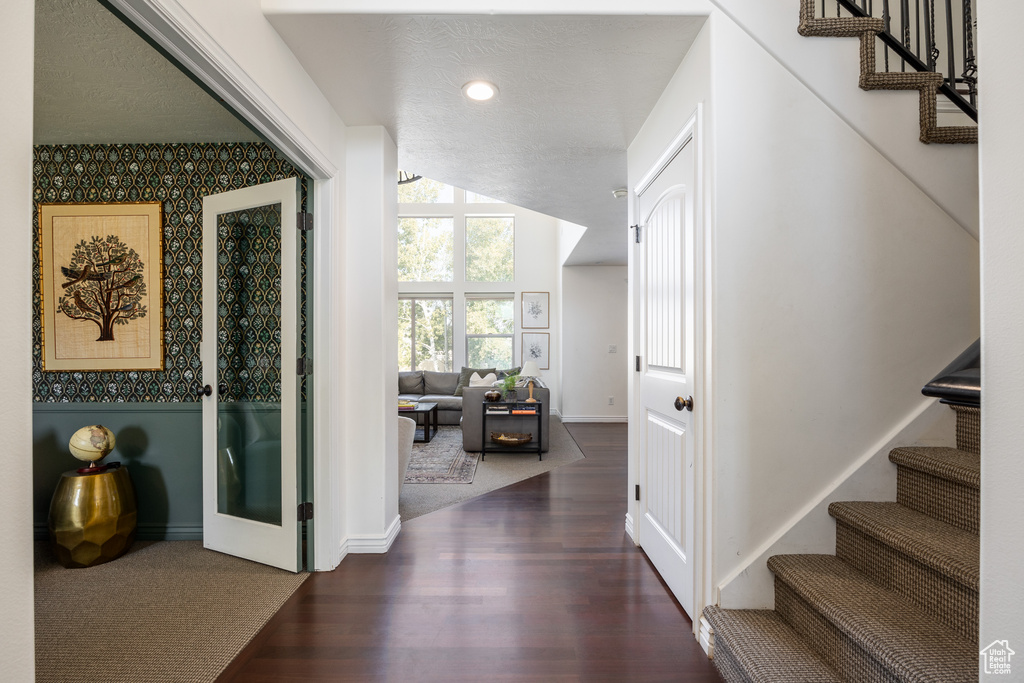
91 443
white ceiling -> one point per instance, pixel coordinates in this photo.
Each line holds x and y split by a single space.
574 91
96 81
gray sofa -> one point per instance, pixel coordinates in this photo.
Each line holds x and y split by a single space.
433 387
472 412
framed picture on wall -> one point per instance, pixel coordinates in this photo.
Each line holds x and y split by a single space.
535 310
535 348
101 267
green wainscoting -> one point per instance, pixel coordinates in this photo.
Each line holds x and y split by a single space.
160 443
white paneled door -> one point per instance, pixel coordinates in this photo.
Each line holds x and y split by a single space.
666 204
250 385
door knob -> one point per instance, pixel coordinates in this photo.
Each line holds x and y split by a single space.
204 391
681 403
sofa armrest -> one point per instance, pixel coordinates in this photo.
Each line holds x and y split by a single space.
472 414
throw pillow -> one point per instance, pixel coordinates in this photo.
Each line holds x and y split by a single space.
502 374
475 380
467 373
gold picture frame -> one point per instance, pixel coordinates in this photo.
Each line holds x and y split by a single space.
101 277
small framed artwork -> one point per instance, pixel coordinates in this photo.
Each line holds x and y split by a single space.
101 267
535 348
535 310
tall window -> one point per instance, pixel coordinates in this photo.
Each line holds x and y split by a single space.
425 334
426 249
426 191
490 249
474 198
490 325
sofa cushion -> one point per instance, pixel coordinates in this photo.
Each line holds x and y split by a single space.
410 382
475 380
502 374
467 373
440 382
443 401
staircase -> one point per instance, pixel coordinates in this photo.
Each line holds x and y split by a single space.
899 599
928 83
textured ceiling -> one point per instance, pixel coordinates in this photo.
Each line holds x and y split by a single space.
96 81
574 91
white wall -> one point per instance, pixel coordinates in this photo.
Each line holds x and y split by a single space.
840 288
1002 247
830 67
594 317
536 270
17 643
369 373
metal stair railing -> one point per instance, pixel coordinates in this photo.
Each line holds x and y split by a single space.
925 35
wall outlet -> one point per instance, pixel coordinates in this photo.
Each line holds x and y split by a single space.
612 348
611 400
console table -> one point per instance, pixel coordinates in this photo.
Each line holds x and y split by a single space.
501 412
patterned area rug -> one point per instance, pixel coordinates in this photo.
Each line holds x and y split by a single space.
442 461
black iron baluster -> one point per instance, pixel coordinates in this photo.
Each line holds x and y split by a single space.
950 52
970 74
917 22
905 29
888 27
929 34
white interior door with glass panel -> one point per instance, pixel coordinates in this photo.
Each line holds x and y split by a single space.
666 342
249 350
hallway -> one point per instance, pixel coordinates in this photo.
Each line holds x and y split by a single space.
534 582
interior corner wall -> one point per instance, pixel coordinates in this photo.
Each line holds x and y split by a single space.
839 289
17 632
594 318
369 371
1002 351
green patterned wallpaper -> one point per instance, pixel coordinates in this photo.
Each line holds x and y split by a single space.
179 175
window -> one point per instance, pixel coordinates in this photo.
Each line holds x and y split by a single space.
490 249
425 191
426 249
489 332
425 334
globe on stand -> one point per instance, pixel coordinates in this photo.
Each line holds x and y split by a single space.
91 444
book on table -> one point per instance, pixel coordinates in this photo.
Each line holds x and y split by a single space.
407 405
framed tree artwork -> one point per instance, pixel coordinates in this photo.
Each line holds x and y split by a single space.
536 348
101 267
535 310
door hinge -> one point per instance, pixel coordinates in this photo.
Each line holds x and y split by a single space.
305 512
304 366
305 221
638 491
637 236
638 363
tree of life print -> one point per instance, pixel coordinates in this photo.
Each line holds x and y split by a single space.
104 285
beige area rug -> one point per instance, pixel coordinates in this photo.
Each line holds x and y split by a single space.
442 460
498 470
167 611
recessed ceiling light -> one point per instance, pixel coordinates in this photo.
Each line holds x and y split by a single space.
479 91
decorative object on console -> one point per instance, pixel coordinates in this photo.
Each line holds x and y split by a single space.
93 511
535 348
530 372
511 439
508 385
102 265
492 396
535 310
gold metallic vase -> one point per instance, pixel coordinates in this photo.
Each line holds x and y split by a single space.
92 517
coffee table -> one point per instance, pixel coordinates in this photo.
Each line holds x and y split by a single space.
425 415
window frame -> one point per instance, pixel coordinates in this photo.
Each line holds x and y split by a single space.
511 336
413 298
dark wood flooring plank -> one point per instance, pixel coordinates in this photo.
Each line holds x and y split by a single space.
533 582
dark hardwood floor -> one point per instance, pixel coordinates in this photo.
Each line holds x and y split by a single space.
534 582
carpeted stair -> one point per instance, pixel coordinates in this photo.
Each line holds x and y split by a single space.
926 83
899 599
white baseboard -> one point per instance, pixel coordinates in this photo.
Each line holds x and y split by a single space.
594 418
629 526
707 638
367 544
